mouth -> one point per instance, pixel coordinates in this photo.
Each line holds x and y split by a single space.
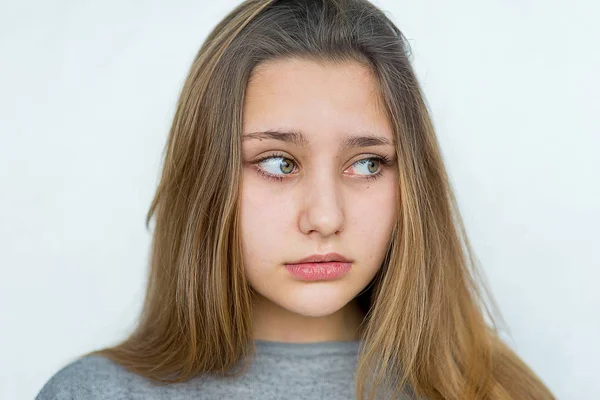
320 267
319 271
322 258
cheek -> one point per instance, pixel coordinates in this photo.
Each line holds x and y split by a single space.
377 200
373 219
264 220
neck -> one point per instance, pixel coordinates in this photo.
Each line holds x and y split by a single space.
272 322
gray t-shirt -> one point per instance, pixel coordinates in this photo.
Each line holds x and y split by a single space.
279 370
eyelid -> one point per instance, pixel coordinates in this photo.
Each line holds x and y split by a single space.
386 160
275 155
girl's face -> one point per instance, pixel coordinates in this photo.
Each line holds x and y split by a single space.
320 193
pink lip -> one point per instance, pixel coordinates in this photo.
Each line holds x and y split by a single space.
316 271
320 258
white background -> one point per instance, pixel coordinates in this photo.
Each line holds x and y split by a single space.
87 93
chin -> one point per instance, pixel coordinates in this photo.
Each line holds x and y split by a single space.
314 305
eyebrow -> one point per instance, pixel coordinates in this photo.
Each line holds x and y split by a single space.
299 139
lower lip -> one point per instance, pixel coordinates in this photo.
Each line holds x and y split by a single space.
319 271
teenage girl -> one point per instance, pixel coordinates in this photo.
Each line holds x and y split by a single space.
307 242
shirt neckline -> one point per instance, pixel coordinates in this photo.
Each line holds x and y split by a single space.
308 348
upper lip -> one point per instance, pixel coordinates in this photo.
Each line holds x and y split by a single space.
321 258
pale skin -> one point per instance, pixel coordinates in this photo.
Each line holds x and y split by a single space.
324 201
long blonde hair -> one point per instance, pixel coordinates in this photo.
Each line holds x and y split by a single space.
425 324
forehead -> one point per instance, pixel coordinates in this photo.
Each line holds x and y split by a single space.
321 99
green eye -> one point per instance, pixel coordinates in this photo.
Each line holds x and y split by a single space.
277 166
372 164
287 166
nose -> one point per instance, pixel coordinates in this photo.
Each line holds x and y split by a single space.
322 209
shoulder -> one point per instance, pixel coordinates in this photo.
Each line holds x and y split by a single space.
89 377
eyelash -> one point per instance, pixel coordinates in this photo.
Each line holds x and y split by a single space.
384 160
